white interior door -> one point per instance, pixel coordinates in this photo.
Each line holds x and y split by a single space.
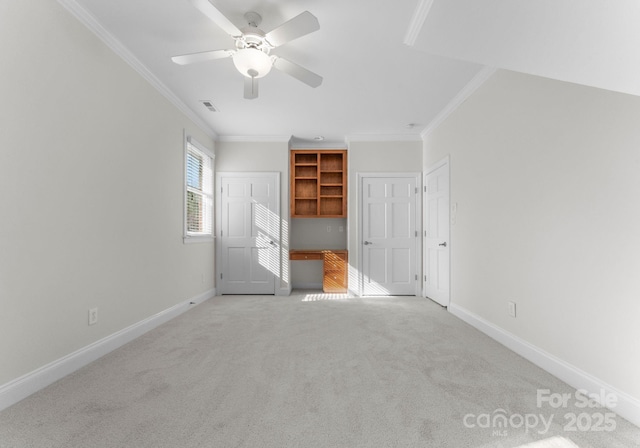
437 243
389 235
249 229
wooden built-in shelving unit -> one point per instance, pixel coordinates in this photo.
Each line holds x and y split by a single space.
318 183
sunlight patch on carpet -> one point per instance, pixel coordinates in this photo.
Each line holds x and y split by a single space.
322 296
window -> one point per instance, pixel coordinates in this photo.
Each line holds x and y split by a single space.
198 213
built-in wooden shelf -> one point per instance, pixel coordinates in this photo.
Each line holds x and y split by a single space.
318 183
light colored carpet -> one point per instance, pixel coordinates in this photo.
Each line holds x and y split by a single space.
264 371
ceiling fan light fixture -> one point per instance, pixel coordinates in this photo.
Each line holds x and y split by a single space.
252 63
252 47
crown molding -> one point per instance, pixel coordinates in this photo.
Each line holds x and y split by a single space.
323 145
480 78
88 20
383 138
417 21
254 138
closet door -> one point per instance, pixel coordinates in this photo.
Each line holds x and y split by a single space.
249 233
389 235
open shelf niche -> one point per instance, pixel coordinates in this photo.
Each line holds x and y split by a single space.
318 183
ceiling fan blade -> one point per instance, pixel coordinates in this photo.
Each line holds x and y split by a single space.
216 16
201 57
298 72
250 88
300 25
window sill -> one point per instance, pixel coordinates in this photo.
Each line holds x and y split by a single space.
198 239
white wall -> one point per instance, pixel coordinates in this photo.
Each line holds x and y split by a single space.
546 179
83 224
261 157
374 157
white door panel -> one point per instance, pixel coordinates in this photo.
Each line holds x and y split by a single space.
437 243
249 233
401 261
377 224
259 265
235 262
236 219
377 258
389 239
401 221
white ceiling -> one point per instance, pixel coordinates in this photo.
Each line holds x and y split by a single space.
590 42
375 84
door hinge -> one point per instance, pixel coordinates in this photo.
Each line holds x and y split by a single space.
425 188
221 276
416 276
221 233
425 278
416 234
425 233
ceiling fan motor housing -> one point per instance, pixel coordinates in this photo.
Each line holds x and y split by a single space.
253 38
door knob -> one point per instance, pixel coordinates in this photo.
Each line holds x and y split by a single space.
443 244
366 243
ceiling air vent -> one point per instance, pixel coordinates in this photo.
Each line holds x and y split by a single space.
209 105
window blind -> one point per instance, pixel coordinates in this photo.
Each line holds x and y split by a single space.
199 192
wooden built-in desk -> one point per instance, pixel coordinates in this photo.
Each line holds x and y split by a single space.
334 267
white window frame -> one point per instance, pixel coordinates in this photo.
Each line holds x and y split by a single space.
198 237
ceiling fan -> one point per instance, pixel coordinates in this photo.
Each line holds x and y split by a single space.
252 55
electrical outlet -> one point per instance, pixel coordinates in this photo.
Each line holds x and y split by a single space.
512 309
93 316
328 228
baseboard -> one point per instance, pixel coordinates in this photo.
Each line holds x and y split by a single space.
627 407
306 286
20 388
